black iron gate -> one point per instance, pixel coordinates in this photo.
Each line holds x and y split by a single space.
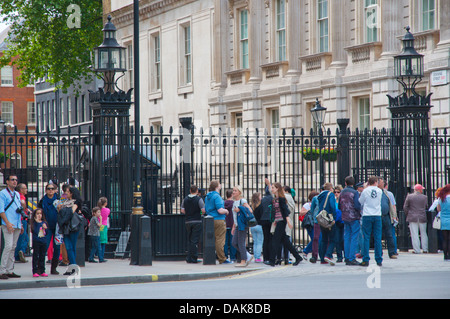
243 157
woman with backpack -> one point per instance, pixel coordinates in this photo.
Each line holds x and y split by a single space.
239 229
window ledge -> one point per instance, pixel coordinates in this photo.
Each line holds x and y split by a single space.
240 76
275 69
316 62
364 53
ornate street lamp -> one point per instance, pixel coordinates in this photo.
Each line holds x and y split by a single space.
318 113
109 57
409 71
408 65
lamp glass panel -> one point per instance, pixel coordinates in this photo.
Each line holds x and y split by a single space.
103 59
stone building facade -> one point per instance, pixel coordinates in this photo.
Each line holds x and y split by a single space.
263 64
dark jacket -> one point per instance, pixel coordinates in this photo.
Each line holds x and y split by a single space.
64 217
266 201
50 212
349 204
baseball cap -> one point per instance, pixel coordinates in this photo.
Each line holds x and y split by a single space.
418 187
361 184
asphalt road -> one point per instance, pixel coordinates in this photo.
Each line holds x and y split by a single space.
264 285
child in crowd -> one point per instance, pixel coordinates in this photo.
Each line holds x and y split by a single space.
38 230
94 233
102 203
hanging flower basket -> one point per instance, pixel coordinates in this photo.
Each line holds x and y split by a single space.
311 154
329 154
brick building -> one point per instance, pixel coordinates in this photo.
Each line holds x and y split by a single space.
17 110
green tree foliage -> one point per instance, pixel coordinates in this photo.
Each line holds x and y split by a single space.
53 38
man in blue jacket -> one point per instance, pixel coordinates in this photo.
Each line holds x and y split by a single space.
351 215
328 242
215 207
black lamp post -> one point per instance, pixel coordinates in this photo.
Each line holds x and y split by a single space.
318 113
109 58
410 129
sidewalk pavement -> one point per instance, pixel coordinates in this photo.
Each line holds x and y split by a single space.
119 271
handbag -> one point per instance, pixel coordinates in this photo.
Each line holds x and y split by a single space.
324 219
308 220
75 222
437 222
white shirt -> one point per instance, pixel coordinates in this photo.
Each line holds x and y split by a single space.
370 199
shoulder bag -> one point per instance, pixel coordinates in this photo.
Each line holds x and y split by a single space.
325 219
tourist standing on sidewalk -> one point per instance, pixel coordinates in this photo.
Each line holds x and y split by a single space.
94 233
193 207
51 216
444 213
11 226
228 248
387 219
317 236
265 221
257 231
351 215
327 201
281 219
214 206
370 200
239 230
68 226
39 228
24 239
415 208
105 212
339 226
310 230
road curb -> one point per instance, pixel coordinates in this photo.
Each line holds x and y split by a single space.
71 282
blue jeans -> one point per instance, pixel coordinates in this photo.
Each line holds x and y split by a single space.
372 225
351 235
95 246
70 241
328 242
229 246
308 248
258 238
22 242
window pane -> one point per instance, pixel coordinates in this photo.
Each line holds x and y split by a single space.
7 112
7 75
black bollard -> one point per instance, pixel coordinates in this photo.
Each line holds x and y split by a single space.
209 241
134 239
80 249
145 242
432 234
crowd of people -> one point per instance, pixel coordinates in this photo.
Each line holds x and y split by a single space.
358 213
54 228
361 215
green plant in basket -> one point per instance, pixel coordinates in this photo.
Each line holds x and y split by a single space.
329 154
310 154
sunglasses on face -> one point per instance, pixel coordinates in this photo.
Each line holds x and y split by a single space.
13 179
51 189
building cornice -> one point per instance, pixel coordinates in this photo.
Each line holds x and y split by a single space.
147 8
